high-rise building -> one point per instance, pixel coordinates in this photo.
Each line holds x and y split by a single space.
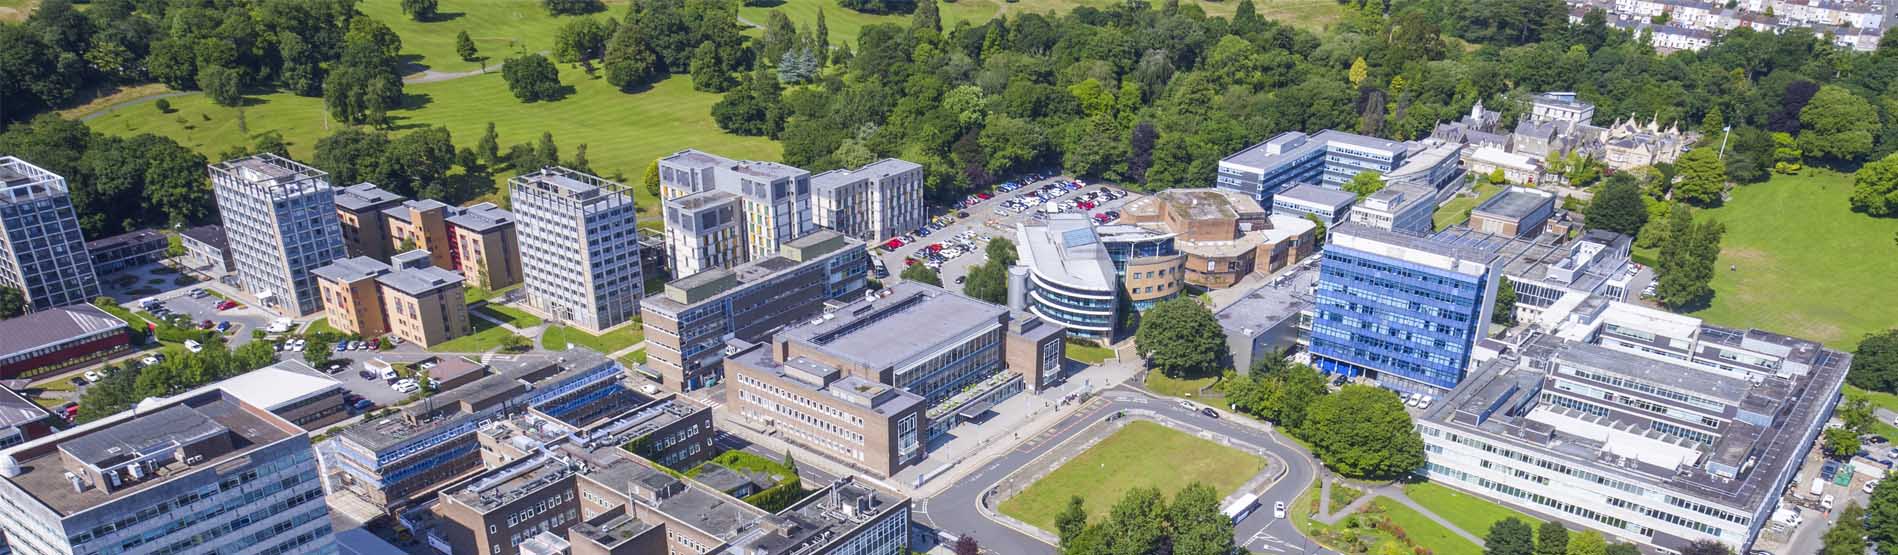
880 200
688 325
202 472
280 222
579 247
43 253
1647 426
721 212
1404 309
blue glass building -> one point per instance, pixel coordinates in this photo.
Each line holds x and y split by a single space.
1328 158
1403 309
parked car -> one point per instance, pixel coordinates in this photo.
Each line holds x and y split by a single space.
193 345
363 405
342 346
1869 486
78 381
1278 509
224 326
1209 412
92 376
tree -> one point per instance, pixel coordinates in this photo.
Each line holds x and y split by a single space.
514 343
572 7
921 274
1840 443
1858 415
1000 250
222 84
490 146
1687 258
966 545
708 71
419 10
532 78
1706 547
651 178
545 151
1847 536
1277 391
1318 229
316 353
12 303
1787 158
164 106
1875 188
1623 548
1875 363
1504 311
1365 183
1363 432
926 18
1837 124
1198 525
1702 177
1881 517
987 281
1588 542
352 155
1497 177
582 39
1509 536
820 38
630 60
1181 337
1551 539
1359 72
1140 146
1072 520
1618 207
465 46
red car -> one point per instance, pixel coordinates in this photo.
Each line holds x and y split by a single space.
227 305
205 325
894 243
907 261
985 196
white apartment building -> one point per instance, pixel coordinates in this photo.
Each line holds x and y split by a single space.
579 247
43 252
770 205
280 223
1647 426
880 200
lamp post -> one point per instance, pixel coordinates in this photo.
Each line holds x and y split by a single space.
1724 133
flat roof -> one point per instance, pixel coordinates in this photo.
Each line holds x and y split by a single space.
365 196
482 217
1315 195
275 386
1064 248
212 235
1449 253
128 238
417 281
1270 304
1292 145
54 325
149 431
1516 203
874 170
911 322
16 410
352 269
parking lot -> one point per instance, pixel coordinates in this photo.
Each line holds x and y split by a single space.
991 218
204 307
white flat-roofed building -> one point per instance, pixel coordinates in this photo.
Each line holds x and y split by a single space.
880 200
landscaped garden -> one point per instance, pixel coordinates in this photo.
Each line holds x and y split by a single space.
1471 513
558 337
1142 454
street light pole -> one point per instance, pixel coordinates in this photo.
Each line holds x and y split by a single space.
1724 133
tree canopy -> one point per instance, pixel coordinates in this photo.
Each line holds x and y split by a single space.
1362 431
1875 363
1180 337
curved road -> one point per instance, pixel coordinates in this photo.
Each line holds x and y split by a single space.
955 509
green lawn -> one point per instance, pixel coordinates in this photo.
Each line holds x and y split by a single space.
558 336
634 358
513 316
1143 454
500 29
623 132
1161 384
1090 354
321 325
1805 264
1427 533
1471 513
1458 208
477 294
486 337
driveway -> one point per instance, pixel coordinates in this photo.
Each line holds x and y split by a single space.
956 509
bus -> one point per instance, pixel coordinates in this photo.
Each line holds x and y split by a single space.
1242 507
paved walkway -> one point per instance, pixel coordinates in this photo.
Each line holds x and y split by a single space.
1393 492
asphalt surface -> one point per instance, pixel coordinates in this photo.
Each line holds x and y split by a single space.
955 510
983 219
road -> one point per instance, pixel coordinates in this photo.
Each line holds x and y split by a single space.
955 510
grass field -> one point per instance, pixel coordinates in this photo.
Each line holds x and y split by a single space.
321 325
557 337
1885 401
1458 209
1472 514
1805 263
500 29
1089 354
513 316
1427 533
1143 454
487 336
1161 384
845 24
623 132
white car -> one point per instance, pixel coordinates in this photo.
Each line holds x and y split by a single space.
1188 405
1278 509
193 345
1826 502
406 385
1869 486
92 376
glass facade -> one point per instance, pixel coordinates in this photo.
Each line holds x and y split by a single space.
1392 317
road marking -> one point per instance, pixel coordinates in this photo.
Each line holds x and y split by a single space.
1266 541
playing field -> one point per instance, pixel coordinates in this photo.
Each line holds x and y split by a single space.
1797 260
1143 454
